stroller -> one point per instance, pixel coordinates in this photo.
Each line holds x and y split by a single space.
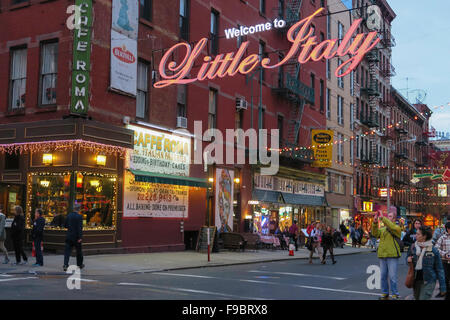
338 239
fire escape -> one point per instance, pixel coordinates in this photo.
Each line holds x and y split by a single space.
287 85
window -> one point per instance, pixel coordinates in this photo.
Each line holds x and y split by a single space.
49 71
328 25
358 113
184 19
262 6
352 151
214 30
145 7
351 116
352 84
262 55
313 80
280 128
281 9
358 153
328 66
340 32
142 90
340 147
181 101
18 78
340 110
212 109
340 79
328 103
322 103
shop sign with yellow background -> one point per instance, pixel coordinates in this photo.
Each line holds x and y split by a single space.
322 143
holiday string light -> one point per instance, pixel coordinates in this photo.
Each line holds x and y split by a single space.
45 146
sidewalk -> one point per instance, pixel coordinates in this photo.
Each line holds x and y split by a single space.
115 264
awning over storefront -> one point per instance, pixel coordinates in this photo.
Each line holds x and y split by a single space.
287 198
143 176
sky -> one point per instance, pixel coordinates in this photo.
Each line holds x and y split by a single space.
422 54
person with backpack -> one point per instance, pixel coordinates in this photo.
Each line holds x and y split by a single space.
427 266
388 253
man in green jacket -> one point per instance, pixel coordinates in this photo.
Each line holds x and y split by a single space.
388 252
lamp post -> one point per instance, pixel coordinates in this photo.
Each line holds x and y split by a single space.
388 179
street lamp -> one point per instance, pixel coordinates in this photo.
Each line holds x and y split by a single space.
389 173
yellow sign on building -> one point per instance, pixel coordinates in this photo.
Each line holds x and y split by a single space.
322 143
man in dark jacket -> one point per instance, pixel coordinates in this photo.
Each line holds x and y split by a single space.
38 235
74 236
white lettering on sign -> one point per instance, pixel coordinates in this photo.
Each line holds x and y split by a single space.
243 31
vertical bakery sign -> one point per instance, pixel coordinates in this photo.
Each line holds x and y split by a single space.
81 63
124 33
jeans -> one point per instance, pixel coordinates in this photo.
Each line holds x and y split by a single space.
389 267
423 291
68 250
37 249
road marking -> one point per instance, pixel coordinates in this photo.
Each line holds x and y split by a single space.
299 274
338 290
14 279
5 275
189 290
183 275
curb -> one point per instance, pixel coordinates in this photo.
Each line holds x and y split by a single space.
236 263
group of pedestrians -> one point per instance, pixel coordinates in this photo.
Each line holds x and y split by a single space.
429 262
74 236
320 241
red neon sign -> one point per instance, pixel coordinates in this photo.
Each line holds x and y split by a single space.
300 35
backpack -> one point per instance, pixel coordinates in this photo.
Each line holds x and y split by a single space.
400 243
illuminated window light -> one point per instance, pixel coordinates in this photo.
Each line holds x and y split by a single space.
47 159
237 180
94 183
211 179
45 183
101 160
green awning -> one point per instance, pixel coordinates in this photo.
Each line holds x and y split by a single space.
144 176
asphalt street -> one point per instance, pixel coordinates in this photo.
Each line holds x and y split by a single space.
279 280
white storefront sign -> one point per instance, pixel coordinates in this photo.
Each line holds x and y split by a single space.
154 200
159 152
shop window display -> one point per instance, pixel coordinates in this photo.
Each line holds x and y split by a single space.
97 195
52 193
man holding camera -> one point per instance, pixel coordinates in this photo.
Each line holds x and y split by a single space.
388 252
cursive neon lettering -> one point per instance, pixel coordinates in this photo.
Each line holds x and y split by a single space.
299 35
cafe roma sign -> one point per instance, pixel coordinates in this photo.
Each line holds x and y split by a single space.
300 35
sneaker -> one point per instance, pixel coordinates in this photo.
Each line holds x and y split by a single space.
37 265
65 268
395 297
334 262
384 297
24 262
82 266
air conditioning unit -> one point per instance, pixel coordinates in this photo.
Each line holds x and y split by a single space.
241 104
181 122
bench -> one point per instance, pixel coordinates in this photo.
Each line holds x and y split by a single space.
253 240
233 241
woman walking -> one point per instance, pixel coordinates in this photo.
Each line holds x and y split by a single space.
427 265
327 244
17 233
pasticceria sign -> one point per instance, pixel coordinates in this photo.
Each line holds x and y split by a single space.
229 64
